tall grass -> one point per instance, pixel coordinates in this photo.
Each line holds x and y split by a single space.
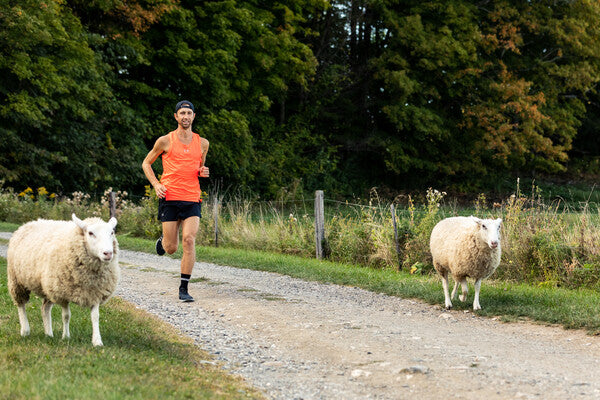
546 243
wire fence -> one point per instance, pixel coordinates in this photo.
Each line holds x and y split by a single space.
540 241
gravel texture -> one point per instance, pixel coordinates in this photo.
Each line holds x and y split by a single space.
304 340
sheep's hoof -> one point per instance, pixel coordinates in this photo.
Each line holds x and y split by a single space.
25 332
477 307
448 306
462 297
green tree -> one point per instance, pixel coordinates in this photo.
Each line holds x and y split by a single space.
58 114
236 61
455 92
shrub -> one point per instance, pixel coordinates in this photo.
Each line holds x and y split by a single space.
545 244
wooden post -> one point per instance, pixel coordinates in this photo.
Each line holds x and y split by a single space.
112 203
396 237
319 223
216 218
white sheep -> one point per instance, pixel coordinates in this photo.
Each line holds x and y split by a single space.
465 247
63 262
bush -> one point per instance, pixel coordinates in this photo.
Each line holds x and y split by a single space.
548 245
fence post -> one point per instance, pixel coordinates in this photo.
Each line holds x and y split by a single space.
112 203
396 237
216 218
319 223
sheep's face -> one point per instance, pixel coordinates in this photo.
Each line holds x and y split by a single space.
99 237
489 231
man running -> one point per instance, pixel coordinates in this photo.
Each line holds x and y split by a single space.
183 157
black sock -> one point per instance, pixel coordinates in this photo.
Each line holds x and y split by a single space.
184 281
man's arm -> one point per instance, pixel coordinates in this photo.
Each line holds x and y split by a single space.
161 146
204 171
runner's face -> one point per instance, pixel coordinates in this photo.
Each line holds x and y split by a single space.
185 117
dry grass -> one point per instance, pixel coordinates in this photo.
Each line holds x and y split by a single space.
548 244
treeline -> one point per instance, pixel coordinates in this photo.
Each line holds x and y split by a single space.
336 95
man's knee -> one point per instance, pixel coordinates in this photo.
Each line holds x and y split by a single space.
170 248
189 242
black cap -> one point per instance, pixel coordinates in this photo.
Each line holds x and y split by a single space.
184 104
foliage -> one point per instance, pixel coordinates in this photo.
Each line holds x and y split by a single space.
336 95
61 124
546 244
456 92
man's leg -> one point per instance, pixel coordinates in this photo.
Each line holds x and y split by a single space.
170 238
188 237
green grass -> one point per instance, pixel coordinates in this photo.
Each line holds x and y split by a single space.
574 309
8 227
142 358
570 308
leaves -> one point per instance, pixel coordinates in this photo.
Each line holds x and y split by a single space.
341 95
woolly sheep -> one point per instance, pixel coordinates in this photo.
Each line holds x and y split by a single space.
62 262
465 247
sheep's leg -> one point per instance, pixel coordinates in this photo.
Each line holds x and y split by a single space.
66 317
465 289
96 339
476 305
453 295
47 316
446 293
23 320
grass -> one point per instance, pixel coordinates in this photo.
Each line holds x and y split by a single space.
8 227
570 308
143 358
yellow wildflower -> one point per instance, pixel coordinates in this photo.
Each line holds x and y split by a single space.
26 192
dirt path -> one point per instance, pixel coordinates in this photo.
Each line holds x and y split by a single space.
297 339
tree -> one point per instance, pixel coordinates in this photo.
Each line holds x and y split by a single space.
454 92
236 62
62 126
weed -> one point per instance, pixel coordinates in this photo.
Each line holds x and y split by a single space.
544 243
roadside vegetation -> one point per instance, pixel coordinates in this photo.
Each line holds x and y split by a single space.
546 242
549 270
510 301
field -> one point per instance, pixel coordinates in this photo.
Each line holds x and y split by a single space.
548 274
549 237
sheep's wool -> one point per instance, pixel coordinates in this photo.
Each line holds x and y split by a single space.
50 258
456 248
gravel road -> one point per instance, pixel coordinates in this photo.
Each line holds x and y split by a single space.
304 340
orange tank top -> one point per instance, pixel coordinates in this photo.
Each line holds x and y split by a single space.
180 169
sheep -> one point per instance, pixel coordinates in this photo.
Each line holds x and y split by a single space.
63 262
465 247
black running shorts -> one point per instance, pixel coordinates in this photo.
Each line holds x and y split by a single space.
178 210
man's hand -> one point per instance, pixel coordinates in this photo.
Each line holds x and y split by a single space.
161 190
203 172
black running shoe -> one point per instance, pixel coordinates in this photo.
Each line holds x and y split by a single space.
159 249
184 296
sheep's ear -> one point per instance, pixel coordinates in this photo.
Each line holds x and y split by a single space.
499 221
112 222
78 222
476 220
